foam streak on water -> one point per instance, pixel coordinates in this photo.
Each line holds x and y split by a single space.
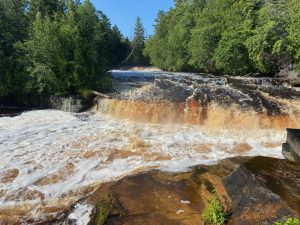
46 155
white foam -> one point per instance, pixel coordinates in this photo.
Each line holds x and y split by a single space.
185 202
179 211
81 214
42 143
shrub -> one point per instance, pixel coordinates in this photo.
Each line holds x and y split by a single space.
101 216
214 213
290 221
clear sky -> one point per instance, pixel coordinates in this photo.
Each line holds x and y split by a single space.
123 13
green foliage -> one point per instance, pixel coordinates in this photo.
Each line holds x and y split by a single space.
294 32
101 216
214 213
43 79
56 47
266 45
13 30
231 56
86 93
138 45
103 208
226 36
45 8
289 221
168 48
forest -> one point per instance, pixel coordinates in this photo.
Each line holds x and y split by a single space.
59 47
66 47
235 37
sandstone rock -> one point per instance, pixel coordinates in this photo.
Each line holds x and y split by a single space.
291 149
255 190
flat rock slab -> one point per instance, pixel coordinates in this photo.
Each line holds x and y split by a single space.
254 191
156 198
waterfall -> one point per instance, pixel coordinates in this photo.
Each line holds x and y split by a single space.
67 104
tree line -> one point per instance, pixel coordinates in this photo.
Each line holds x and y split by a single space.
59 47
236 37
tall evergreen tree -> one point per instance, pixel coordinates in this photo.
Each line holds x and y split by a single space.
45 8
55 47
13 30
138 44
71 53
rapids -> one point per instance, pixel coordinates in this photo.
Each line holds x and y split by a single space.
50 159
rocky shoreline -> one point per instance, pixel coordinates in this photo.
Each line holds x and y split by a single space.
253 190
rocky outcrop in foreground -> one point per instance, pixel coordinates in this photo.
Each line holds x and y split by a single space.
253 191
291 149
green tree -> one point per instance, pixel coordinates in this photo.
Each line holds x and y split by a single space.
227 36
45 8
42 48
138 44
294 32
155 47
206 35
268 45
179 37
71 52
231 55
119 47
13 30
168 48
56 47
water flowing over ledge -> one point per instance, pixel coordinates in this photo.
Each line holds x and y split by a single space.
51 159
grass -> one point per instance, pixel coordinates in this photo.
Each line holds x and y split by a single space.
101 216
103 209
289 221
214 213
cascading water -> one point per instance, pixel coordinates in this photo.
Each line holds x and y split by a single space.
215 102
51 159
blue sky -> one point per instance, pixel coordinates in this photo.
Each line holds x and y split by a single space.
123 13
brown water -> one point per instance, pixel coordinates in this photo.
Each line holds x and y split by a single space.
51 159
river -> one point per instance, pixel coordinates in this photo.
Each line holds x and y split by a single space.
50 159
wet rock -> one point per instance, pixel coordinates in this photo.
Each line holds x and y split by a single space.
67 104
262 95
156 198
291 149
7 111
254 191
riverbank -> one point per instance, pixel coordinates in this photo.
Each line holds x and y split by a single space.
252 190
257 190
74 104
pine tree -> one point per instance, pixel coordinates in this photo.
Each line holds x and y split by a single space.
45 7
138 44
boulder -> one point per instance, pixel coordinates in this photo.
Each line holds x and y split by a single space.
291 149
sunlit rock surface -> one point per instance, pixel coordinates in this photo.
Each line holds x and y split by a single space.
254 191
225 102
291 149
